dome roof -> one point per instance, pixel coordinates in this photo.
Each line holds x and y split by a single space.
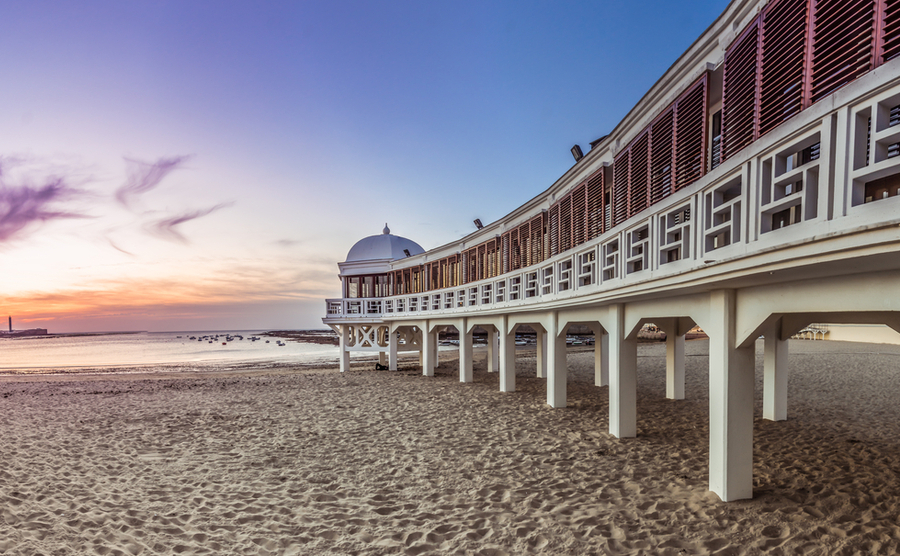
383 246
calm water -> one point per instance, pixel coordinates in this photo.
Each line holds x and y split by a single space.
154 348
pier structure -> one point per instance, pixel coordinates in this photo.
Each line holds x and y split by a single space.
753 191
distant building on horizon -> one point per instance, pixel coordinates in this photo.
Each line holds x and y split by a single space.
22 333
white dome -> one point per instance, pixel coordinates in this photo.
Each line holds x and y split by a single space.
383 246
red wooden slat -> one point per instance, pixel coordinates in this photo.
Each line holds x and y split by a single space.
783 59
739 99
594 201
538 231
553 231
639 174
524 233
620 188
662 155
843 44
890 30
565 223
690 134
506 252
579 214
472 265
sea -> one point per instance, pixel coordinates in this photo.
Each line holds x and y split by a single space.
156 351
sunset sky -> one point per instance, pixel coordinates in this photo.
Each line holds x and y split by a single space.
187 165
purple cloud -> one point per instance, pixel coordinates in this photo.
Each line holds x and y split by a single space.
143 176
21 206
165 228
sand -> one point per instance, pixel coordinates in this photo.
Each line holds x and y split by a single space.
309 461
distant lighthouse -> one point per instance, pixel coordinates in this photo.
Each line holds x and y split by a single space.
10 323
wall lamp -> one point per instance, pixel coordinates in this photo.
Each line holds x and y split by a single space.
576 152
478 223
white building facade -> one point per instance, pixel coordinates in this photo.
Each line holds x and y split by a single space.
755 189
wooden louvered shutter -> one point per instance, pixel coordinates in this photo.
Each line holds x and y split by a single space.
565 223
506 250
662 152
472 265
620 187
480 254
638 174
890 45
594 195
524 239
538 227
690 134
579 215
842 44
783 60
510 250
516 248
554 229
739 100
493 249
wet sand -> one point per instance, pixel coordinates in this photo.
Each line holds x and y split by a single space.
292 460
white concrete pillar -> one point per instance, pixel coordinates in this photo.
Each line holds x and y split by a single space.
622 376
344 338
392 351
601 358
775 378
730 403
557 370
674 364
494 337
428 343
465 352
507 363
541 354
435 361
421 336
382 357
493 352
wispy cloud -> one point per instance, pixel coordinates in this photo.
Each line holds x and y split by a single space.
287 242
166 227
144 176
24 205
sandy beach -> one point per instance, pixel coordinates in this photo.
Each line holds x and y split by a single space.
289 460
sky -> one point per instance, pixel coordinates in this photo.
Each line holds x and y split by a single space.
204 165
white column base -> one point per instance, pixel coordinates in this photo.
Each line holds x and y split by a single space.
465 354
429 342
601 359
731 384
541 354
622 377
775 378
507 362
674 365
392 352
557 371
344 356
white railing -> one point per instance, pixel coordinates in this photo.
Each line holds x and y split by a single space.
802 180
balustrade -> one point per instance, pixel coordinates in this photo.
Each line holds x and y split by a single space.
792 183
